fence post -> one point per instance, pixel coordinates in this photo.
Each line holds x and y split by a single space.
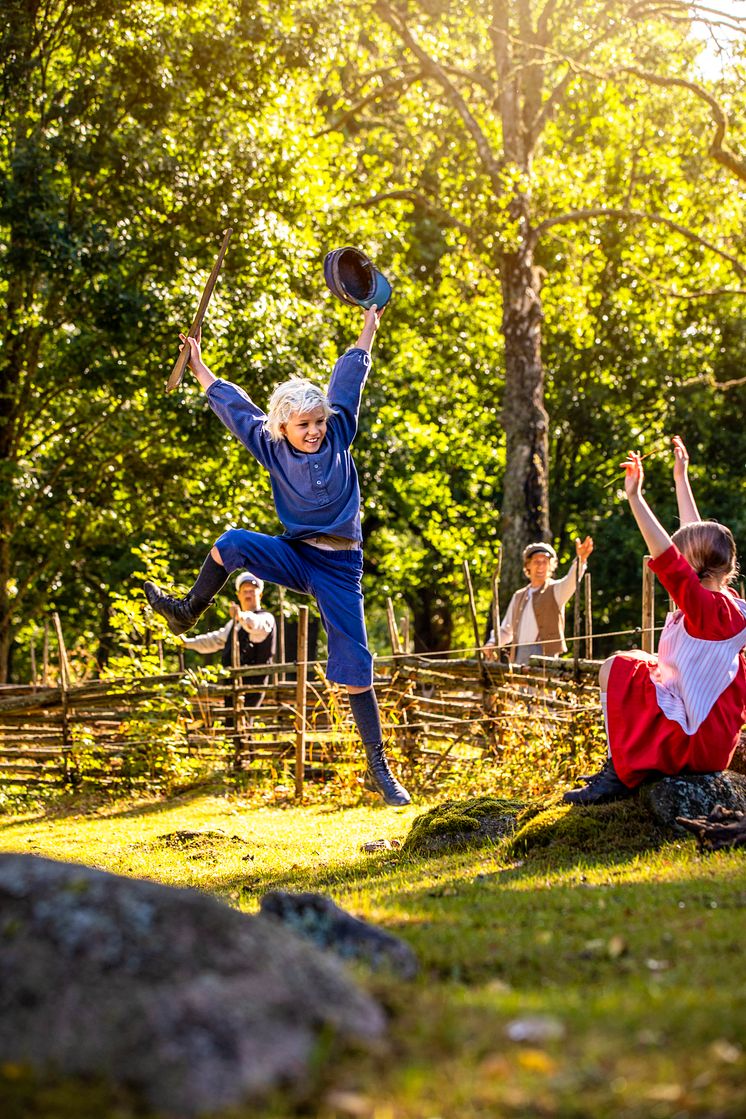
33 661
648 607
405 632
473 612
588 617
236 693
281 633
45 656
64 689
576 623
496 595
301 690
393 631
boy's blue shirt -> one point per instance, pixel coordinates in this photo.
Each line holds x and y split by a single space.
316 493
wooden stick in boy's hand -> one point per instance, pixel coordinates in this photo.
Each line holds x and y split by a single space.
182 361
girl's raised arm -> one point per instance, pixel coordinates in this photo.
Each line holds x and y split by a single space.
653 532
688 511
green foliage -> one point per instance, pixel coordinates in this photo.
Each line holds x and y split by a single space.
131 134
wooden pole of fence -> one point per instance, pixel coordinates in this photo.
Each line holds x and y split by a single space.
588 617
393 631
496 594
576 621
648 607
281 631
236 694
45 656
33 662
473 612
301 691
64 689
405 632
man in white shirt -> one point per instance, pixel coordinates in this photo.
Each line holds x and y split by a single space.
534 622
255 630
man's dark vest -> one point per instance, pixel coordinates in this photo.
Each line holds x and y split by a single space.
549 616
250 652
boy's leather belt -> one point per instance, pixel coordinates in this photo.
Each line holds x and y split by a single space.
331 543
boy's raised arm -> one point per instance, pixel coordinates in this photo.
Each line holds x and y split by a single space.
370 326
688 511
349 376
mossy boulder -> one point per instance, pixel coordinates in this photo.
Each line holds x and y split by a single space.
602 831
693 795
174 996
458 824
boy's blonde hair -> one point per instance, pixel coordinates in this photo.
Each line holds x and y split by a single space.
709 547
296 395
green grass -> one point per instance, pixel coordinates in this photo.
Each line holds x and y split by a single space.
628 947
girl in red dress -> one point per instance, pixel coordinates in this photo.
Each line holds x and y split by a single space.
683 710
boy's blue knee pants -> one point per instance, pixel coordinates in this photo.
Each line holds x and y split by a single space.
332 578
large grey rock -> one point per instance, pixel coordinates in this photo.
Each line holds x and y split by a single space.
695 794
332 928
195 1005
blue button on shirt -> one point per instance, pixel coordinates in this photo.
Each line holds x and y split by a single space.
314 493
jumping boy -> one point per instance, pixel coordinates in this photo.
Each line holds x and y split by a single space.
303 441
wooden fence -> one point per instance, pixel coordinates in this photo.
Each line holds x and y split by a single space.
440 712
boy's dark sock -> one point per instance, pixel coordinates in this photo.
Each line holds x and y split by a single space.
210 581
364 707
378 777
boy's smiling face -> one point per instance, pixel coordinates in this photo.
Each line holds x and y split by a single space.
305 431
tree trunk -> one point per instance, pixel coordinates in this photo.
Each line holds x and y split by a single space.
433 623
525 509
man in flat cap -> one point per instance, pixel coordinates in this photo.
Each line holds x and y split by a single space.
255 629
534 622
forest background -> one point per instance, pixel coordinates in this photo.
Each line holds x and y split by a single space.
555 189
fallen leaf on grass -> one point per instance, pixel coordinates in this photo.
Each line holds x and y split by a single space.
495 1065
350 1103
536 1060
665 1093
616 947
379 845
725 1051
539 1027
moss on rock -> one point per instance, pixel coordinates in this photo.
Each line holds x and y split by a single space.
457 824
605 830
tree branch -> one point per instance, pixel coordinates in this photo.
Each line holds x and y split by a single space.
636 215
491 165
719 153
421 200
397 84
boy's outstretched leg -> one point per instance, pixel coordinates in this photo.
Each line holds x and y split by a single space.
378 776
182 613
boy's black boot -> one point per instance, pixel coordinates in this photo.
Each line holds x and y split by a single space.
380 779
601 788
180 613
